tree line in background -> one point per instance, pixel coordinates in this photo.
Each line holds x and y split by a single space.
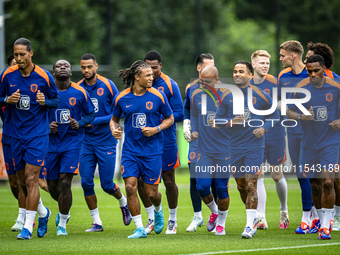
120 32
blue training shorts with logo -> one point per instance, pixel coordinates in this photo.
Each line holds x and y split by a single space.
31 151
315 160
246 161
211 166
148 168
170 158
275 151
61 162
8 159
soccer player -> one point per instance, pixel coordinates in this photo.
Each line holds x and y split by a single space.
294 71
274 152
28 91
247 140
143 106
66 124
12 177
170 157
327 53
202 61
320 123
99 146
213 149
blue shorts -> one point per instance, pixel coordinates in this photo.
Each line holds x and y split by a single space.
246 161
105 157
61 162
315 160
30 151
170 158
209 167
149 168
192 152
213 165
275 151
8 159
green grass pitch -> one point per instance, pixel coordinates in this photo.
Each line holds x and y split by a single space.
113 240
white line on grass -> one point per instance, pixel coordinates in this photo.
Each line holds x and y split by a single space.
265 249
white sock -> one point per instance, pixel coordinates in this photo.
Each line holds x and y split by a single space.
198 214
213 207
158 208
21 215
30 216
222 216
150 211
63 220
262 197
95 216
251 215
333 214
319 212
173 214
315 213
281 190
41 210
138 220
326 217
122 201
336 211
305 217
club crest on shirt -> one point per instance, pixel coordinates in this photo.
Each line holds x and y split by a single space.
100 91
139 120
24 103
247 114
95 103
61 116
210 116
329 97
72 101
161 89
320 113
149 105
34 88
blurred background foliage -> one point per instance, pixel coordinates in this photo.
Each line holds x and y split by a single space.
120 32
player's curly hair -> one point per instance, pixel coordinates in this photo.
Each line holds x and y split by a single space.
324 50
127 75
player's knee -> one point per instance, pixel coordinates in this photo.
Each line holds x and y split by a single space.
250 187
88 188
203 190
31 182
152 194
110 189
241 187
276 176
316 188
130 189
223 193
328 186
14 184
65 184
